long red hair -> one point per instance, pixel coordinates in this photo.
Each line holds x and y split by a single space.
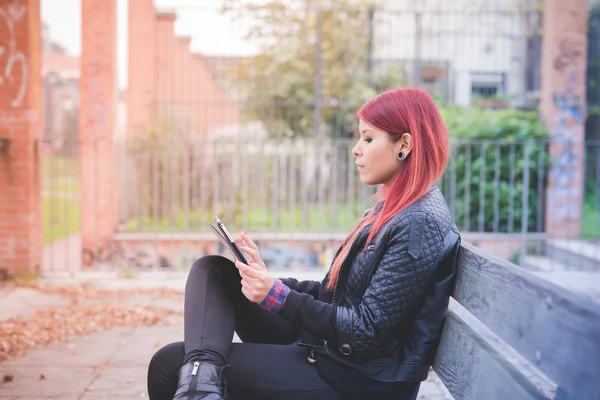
396 112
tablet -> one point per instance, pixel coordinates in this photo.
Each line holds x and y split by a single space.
223 234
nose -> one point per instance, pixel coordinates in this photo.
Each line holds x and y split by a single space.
356 149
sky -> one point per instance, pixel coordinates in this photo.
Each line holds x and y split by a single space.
211 32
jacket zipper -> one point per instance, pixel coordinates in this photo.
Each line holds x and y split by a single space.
343 268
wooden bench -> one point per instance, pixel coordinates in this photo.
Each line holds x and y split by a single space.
512 335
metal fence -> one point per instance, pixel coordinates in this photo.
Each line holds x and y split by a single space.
311 185
263 140
280 185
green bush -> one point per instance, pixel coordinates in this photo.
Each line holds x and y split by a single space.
492 154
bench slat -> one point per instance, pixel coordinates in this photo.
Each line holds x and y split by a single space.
557 330
474 363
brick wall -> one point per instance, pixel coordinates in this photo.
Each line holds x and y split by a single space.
563 108
97 122
184 107
165 69
20 133
213 105
164 75
141 81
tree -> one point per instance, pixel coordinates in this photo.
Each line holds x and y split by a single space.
312 71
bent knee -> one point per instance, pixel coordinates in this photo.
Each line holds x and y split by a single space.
169 357
209 263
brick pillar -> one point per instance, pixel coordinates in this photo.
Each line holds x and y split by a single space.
141 81
564 54
165 72
97 122
20 134
183 93
214 107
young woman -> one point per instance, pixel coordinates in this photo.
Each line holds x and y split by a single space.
370 329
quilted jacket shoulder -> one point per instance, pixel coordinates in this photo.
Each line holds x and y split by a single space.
383 327
385 317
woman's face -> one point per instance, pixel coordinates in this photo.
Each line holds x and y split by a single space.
377 156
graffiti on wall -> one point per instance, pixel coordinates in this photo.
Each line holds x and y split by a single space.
570 52
566 133
148 255
13 63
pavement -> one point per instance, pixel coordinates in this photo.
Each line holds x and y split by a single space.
111 364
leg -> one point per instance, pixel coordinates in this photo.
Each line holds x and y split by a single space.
258 371
273 372
215 306
163 371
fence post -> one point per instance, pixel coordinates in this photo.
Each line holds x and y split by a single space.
417 66
318 73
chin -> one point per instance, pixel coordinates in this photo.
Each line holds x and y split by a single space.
369 182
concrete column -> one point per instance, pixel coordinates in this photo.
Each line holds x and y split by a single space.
141 81
97 127
563 105
20 134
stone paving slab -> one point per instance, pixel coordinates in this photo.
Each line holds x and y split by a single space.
19 301
42 382
107 365
111 364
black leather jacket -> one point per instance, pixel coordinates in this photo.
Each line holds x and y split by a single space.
386 315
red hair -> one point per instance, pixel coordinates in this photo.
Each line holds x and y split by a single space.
396 112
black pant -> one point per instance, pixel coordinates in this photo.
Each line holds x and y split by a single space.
268 365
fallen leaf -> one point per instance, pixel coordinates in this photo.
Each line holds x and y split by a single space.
91 310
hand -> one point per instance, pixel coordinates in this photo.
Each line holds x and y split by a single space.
256 281
249 247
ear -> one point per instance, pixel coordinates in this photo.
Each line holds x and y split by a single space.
404 144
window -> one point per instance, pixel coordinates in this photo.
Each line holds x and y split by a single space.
484 91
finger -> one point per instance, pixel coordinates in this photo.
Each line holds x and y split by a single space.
253 271
259 266
246 293
249 250
253 254
247 271
249 241
243 275
242 268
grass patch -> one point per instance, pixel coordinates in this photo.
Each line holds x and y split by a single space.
330 219
61 218
590 224
61 189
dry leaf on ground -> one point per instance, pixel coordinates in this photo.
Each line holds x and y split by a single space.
83 315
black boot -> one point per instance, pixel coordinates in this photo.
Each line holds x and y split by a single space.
201 381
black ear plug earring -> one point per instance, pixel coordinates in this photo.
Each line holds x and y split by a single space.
401 156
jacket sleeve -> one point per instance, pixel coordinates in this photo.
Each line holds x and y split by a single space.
309 287
413 252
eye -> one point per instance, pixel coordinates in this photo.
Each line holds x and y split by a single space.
368 139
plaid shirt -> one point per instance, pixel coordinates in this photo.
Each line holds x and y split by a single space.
276 297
